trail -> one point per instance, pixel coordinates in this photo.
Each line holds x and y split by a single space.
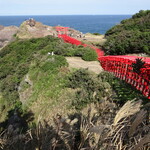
77 62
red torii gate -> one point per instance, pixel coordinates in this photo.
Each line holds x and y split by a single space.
61 30
120 66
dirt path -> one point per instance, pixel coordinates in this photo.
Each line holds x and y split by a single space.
77 62
93 39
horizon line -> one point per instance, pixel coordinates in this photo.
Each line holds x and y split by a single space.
68 15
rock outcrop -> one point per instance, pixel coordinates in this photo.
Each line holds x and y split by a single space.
30 29
33 29
7 34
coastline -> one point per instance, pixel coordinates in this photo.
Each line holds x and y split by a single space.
84 23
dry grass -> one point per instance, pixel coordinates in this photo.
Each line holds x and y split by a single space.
77 62
127 110
93 39
131 126
97 127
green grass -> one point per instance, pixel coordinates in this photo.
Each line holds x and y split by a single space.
30 57
53 86
16 60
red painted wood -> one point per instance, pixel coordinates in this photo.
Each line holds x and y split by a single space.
121 66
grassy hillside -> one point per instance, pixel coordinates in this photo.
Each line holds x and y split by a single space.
45 105
130 36
25 59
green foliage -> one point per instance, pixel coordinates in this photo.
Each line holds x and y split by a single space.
131 36
90 55
96 33
89 87
122 91
15 62
66 49
53 63
31 57
141 14
138 65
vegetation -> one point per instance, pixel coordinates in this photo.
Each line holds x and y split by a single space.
36 88
131 36
96 33
19 57
122 91
89 87
89 55
97 127
16 61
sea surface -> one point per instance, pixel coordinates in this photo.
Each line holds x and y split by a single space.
84 23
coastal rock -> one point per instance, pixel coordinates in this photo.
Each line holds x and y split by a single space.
33 29
1 27
7 34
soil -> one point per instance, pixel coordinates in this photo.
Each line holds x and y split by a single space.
77 62
7 35
93 39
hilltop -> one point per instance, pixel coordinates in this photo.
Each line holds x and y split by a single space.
130 36
34 29
27 30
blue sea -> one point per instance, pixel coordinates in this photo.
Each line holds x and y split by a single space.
84 23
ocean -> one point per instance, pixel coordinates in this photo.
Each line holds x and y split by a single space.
84 23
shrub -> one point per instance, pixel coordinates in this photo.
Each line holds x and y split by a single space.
122 91
79 51
131 36
16 59
96 33
78 78
53 63
90 88
90 55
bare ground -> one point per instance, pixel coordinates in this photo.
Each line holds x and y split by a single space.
93 39
77 62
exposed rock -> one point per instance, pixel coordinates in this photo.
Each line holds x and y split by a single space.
1 27
31 22
31 29
7 34
25 89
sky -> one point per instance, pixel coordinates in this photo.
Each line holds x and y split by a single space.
72 7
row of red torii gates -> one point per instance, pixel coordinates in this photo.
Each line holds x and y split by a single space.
121 65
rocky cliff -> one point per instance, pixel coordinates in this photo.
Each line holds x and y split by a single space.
7 35
29 29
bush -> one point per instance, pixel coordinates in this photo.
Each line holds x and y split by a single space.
90 55
53 63
96 33
79 51
16 59
90 88
122 91
131 36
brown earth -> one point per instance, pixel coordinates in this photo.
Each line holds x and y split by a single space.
89 38
7 34
77 62
33 29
